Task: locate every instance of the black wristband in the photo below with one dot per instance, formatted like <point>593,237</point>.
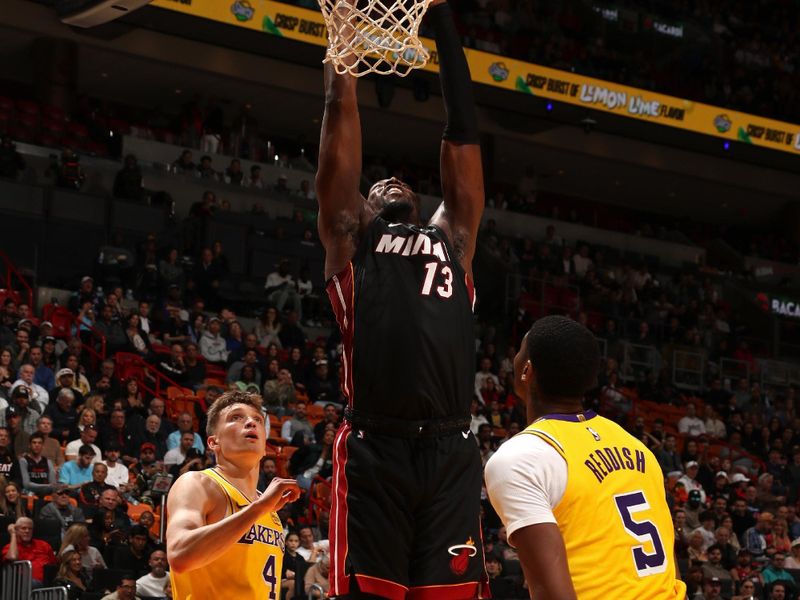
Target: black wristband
<point>459,102</point>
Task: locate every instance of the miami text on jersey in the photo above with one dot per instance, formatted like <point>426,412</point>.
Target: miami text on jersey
<point>411,245</point>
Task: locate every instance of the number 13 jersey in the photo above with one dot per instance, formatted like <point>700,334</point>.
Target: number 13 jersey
<point>605,491</point>
<point>404,307</point>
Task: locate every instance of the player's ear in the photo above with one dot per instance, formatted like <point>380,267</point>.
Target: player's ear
<point>212,443</point>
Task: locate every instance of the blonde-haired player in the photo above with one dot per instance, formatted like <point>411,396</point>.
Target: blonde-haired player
<point>224,540</point>
<point>582,500</point>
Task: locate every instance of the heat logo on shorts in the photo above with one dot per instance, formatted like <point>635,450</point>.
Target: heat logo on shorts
<point>461,555</point>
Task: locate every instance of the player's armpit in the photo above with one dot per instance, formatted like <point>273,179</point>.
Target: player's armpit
<point>544,561</point>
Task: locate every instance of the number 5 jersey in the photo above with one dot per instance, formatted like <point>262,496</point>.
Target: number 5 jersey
<point>605,491</point>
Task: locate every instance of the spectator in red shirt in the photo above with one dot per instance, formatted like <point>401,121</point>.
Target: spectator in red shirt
<point>23,546</point>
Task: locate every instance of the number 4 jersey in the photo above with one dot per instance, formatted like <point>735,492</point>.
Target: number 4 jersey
<point>251,568</point>
<point>404,306</point>
<point>605,491</point>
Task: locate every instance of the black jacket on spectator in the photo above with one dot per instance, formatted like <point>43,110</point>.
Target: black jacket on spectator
<point>64,422</point>
<point>123,437</point>
<point>128,183</point>
<point>159,440</point>
<point>54,395</point>
<point>125,559</point>
<point>9,466</point>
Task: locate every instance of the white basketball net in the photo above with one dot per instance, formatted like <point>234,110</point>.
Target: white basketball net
<point>375,36</point>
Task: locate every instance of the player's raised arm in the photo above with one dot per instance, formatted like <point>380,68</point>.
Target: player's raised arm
<point>461,168</point>
<point>192,542</point>
<point>339,171</point>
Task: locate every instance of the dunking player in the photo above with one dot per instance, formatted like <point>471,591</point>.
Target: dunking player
<point>224,540</point>
<point>582,500</point>
<point>407,472</point>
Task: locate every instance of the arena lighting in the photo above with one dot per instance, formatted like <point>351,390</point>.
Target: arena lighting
<point>90,13</point>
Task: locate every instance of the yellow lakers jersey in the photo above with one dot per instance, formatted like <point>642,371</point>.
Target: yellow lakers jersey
<point>613,516</point>
<point>251,568</point>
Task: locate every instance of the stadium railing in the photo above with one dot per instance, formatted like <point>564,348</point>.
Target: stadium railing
<point>17,581</point>
<point>638,359</point>
<point>51,593</point>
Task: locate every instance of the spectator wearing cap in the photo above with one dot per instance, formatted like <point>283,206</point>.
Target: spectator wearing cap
<point>85,293</point>
<point>755,538</point>
<point>185,425</point>
<point>65,379</point>
<point>776,570</point>
<point>38,395</point>
<point>61,509</point>
<point>693,508</point>
<point>691,424</point>
<point>23,546</point>
<point>298,425</point>
<point>63,414</point>
<point>117,472</point>
<point>87,438</point>
<point>321,387</point>
<point>51,448</point>
<point>712,588</point>
<point>20,399</point>
<point>38,472</point>
<point>689,480</point>
<point>720,490</point>
<point>793,560</point>
<point>213,346</point>
<point>19,439</point>
<point>74,473</point>
<point>134,556</point>
<point>43,375</point>
<point>50,352</point>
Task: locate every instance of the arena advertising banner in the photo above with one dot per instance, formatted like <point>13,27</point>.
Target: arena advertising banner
<point>782,307</point>
<point>307,25</point>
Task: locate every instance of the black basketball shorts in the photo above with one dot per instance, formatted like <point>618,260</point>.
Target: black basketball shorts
<point>405,516</point>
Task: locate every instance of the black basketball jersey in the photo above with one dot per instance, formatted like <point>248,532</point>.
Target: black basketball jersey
<point>404,306</point>
<point>38,472</point>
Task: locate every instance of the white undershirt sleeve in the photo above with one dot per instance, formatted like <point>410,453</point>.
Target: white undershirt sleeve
<point>525,480</point>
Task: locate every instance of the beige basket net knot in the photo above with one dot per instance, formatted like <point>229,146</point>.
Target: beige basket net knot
<point>375,36</point>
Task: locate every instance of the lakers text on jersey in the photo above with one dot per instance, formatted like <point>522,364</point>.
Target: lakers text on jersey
<point>251,568</point>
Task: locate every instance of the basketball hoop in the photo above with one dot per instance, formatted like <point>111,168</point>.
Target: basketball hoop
<point>375,36</point>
